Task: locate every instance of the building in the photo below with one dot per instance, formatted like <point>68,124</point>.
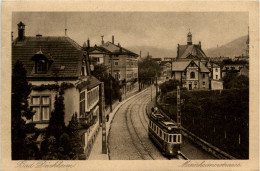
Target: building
<point>59,63</point>
<point>218,59</point>
<point>122,64</point>
<point>96,53</point>
<point>166,71</point>
<point>190,51</point>
<point>233,67</point>
<point>191,66</point>
<point>192,74</point>
<point>239,68</point>
<point>244,71</point>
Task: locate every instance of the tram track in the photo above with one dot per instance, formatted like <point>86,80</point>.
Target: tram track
<point>145,127</point>
<point>145,153</point>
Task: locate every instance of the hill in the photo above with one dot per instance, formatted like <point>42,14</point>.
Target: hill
<point>234,48</point>
<point>154,51</point>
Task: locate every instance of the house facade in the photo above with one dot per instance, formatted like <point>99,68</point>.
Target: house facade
<point>190,66</point>
<point>54,64</point>
<point>166,71</point>
<point>191,74</point>
<point>121,63</point>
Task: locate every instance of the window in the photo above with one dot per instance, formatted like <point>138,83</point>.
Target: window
<point>116,63</point>
<point>216,76</point>
<point>174,138</point>
<point>170,138</point>
<point>92,97</point>
<point>41,106</point>
<point>203,75</point>
<point>203,84</point>
<point>117,76</point>
<point>216,69</point>
<point>83,71</point>
<point>166,137</point>
<point>192,75</point>
<point>82,103</point>
<point>40,66</point>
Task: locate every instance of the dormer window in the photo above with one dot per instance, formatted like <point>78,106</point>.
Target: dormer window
<point>42,62</point>
<point>41,66</point>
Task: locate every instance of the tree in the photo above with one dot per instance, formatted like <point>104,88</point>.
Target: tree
<point>233,80</point>
<point>169,86</point>
<point>22,147</point>
<point>100,72</point>
<point>147,68</point>
<point>57,124</point>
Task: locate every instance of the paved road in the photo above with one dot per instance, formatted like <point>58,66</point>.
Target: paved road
<point>128,138</point>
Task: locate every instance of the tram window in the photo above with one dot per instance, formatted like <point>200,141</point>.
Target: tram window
<point>179,138</point>
<point>174,138</point>
<point>166,137</point>
<point>150,123</point>
<point>170,138</point>
<point>160,133</point>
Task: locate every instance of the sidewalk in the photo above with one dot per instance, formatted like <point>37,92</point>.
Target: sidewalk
<point>96,152</point>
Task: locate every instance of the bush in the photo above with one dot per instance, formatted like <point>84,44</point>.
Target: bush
<point>232,80</point>
<point>169,86</point>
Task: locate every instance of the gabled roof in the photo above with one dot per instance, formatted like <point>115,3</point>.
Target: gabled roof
<point>215,66</point>
<point>180,65</point>
<point>202,67</point>
<point>116,49</point>
<point>195,50</point>
<point>183,64</point>
<point>63,50</point>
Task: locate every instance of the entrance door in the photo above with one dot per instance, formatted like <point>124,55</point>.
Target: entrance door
<point>190,86</point>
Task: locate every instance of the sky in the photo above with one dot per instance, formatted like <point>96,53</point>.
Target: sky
<point>156,29</point>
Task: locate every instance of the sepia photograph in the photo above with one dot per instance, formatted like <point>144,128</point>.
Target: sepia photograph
<point>171,86</point>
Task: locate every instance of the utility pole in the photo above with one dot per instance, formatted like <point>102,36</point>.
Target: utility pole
<point>104,136</point>
<point>156,96</point>
<point>178,106</point>
<point>151,91</point>
<point>111,109</point>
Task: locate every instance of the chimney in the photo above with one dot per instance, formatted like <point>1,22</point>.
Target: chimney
<point>113,39</point>
<point>102,41</point>
<point>12,35</point>
<point>88,43</point>
<point>21,29</point>
<point>200,44</point>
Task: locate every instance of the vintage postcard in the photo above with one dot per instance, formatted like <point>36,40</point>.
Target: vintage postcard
<point>106,85</point>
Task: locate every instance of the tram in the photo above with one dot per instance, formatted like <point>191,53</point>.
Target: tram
<point>165,134</point>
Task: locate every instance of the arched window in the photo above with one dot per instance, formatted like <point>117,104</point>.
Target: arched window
<point>192,75</point>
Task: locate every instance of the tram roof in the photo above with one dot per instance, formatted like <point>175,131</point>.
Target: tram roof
<point>164,122</point>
